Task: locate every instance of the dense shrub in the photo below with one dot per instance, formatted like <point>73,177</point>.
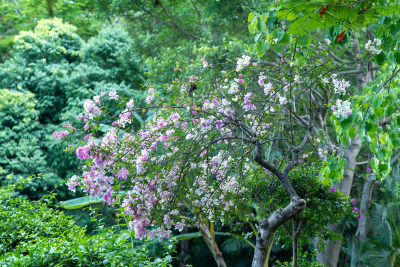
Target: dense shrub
<point>54,70</point>
<point>36,234</point>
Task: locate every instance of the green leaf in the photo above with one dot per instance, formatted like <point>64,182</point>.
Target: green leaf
<point>262,25</point>
<point>188,236</point>
<point>346,124</point>
<point>259,46</point>
<point>265,46</point>
<point>278,34</point>
<point>379,112</point>
<point>384,138</point>
<point>252,48</point>
<point>250,17</point>
<point>374,146</point>
<point>374,163</point>
<point>257,37</point>
<point>80,202</point>
<point>383,167</point>
<point>397,57</point>
<point>352,132</point>
<point>380,59</point>
<point>389,111</point>
<point>345,140</point>
<point>304,40</point>
<point>137,116</point>
<point>251,29</point>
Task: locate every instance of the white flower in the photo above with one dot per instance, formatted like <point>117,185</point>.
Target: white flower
<point>234,88</point>
<point>340,86</point>
<point>130,104</point>
<point>282,100</point>
<point>371,47</point>
<point>268,88</point>
<point>342,108</point>
<point>113,95</point>
<point>327,41</point>
<point>243,62</point>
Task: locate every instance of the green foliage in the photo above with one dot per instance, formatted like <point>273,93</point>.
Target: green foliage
<point>36,234</point>
<point>305,260</point>
<point>112,51</point>
<point>20,135</point>
<point>311,15</point>
<point>61,70</point>
<point>324,205</point>
<point>41,59</point>
<point>375,120</point>
<point>332,170</point>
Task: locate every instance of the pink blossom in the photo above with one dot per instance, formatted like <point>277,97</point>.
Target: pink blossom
<point>122,174</point>
<point>113,95</point>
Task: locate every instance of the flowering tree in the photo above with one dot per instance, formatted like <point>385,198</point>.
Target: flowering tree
<point>351,27</point>
<point>195,161</point>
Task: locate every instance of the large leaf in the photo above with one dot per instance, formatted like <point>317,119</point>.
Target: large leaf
<point>80,202</point>
<point>188,236</point>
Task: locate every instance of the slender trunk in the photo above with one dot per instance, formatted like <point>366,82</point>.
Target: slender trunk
<point>295,245</point>
<point>330,256</point>
<point>268,226</point>
<point>295,241</point>
<point>361,235</point>
<point>184,244</point>
<point>211,243</point>
<point>50,9</point>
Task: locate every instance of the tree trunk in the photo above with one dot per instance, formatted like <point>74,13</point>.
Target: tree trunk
<point>268,226</point>
<point>295,244</point>
<point>50,9</point>
<point>184,244</point>
<point>330,255</point>
<point>295,241</point>
<point>211,243</point>
<point>361,235</point>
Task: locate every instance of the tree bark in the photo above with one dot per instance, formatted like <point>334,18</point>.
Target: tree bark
<point>295,245</point>
<point>268,226</point>
<point>211,243</point>
<point>330,255</point>
<point>50,9</point>
<point>295,241</point>
<point>184,244</point>
<point>361,235</point>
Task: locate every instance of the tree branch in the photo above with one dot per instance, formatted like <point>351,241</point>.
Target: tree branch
<point>281,176</point>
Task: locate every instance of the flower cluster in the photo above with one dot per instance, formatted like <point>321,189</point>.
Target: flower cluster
<point>243,62</point>
<point>151,96</point>
<point>342,108</point>
<point>91,109</point>
<point>355,209</point>
<point>339,87</point>
<point>372,46</point>
<point>205,63</point>
<point>59,135</point>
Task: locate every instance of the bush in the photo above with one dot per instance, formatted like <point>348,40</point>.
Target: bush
<point>36,234</point>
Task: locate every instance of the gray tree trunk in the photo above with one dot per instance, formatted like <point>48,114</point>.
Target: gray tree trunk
<point>211,243</point>
<point>330,256</point>
<point>361,235</point>
<point>268,226</point>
